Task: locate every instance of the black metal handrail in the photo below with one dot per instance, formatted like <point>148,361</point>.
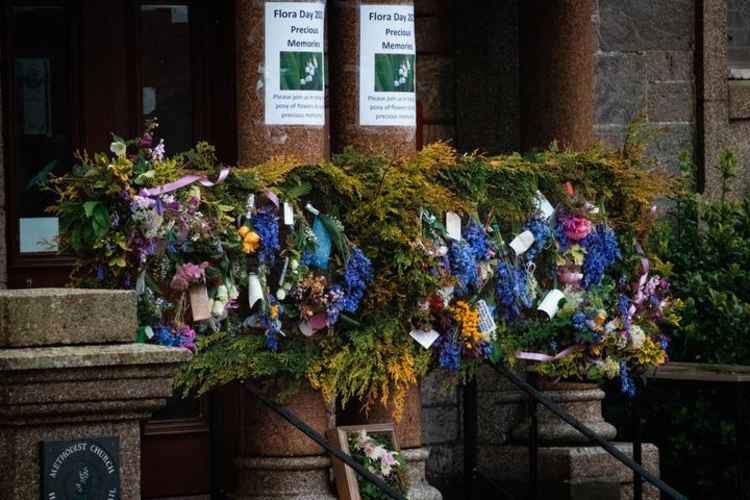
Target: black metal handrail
<point>537,397</point>
<point>311,433</point>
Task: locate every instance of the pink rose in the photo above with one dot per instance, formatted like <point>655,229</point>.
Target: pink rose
<point>576,228</point>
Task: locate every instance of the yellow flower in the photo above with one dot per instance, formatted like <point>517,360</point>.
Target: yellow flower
<point>250,240</point>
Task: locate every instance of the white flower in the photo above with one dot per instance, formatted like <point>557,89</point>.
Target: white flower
<point>295,264</point>
<point>385,469</point>
<point>280,294</point>
<point>396,83</point>
<point>222,293</point>
<point>217,308</point>
<point>637,337</point>
<point>302,81</point>
<point>118,148</point>
<point>309,78</point>
<point>159,151</point>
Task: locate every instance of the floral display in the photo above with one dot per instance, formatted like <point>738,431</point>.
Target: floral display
<point>359,275</point>
<point>375,453</point>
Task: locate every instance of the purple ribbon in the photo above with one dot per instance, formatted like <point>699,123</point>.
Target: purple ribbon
<point>186,181</point>
<point>546,358</point>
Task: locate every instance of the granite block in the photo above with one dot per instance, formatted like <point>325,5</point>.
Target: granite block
<point>58,316</point>
<point>638,25</point>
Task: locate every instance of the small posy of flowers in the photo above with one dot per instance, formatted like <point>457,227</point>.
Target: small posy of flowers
<point>375,453</point>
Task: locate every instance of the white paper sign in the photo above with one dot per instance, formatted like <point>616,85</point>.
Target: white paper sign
<point>543,206</point>
<point>522,242</point>
<point>288,214</point>
<point>453,225</point>
<point>294,77</point>
<point>254,289</point>
<point>423,338</point>
<point>551,303</point>
<point>387,60</point>
<point>486,321</point>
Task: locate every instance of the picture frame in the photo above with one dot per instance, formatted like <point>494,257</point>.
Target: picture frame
<point>347,483</point>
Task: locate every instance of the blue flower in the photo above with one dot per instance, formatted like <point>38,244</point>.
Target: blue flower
<point>542,233</point>
<point>562,239</point>
<point>477,239</point>
<point>623,306</point>
<point>100,272</point>
<point>627,385</point>
<point>266,224</point>
<point>602,250</point>
<point>165,337</point>
<point>450,352</point>
<point>512,290</point>
<point>357,276</point>
<point>272,340</point>
<point>579,321</point>
<point>463,266</point>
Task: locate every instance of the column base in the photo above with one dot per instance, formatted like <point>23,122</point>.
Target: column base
<point>420,489</point>
<point>282,478</point>
<point>570,472</point>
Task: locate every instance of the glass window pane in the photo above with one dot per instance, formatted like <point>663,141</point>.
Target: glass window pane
<point>165,72</point>
<point>42,120</point>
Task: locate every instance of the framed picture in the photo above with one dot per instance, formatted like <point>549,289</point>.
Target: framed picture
<point>375,446</point>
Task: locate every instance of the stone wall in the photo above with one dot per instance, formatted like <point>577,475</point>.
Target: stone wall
<point>738,31</point>
<point>442,431</point>
<point>644,65</point>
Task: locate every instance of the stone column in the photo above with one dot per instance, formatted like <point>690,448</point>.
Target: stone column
<point>408,434</point>
<point>556,73</point>
<point>345,127</point>
<point>276,459</point>
<point>256,141</point>
<point>73,388</point>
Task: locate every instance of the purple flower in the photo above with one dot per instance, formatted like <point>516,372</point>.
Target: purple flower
<point>477,239</point>
<point>450,352</point>
<point>512,291</point>
<point>542,233</point>
<point>627,385</point>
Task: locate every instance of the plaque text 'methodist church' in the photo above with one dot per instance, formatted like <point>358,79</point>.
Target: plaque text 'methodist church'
<point>82,469</point>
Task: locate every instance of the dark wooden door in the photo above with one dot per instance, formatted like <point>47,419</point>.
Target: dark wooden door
<point>75,71</point>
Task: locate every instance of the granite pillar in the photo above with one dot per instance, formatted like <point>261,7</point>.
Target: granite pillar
<point>345,90</point>
<point>277,461</point>
<point>256,141</point>
<point>98,390</point>
<point>408,433</point>
<point>556,65</point>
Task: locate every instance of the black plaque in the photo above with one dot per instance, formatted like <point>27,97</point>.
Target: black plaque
<point>82,469</point>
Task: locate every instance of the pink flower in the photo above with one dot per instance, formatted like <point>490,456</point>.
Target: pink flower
<point>576,228</point>
<point>188,273</point>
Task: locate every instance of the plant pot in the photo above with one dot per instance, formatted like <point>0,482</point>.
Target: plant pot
<point>581,400</point>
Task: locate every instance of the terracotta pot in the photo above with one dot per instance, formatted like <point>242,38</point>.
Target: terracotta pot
<point>583,401</point>
<point>265,434</point>
<point>408,429</point>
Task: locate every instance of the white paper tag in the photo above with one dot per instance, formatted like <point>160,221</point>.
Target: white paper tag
<point>551,303</point>
<point>254,289</point>
<point>592,209</point>
<point>543,206</point>
<point>306,328</point>
<point>312,209</point>
<point>522,242</point>
<point>453,225</point>
<point>486,321</point>
<point>288,214</point>
<point>423,338</point>
<point>199,303</point>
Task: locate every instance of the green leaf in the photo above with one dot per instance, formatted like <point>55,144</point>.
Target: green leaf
<point>100,221</point>
<point>89,207</point>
